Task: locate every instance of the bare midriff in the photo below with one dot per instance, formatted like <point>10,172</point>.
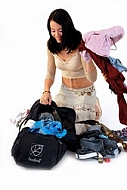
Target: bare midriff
<point>76,82</point>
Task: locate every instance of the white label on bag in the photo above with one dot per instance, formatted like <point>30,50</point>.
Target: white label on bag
<point>36,151</point>
<point>34,160</point>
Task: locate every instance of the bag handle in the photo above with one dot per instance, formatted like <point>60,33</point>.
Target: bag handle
<point>23,122</point>
<point>56,115</point>
<point>107,131</point>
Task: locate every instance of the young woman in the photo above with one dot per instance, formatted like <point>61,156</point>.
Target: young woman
<point>78,76</point>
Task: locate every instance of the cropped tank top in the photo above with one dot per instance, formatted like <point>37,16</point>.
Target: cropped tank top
<point>73,67</point>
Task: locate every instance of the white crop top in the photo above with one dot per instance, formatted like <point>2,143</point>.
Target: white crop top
<point>71,68</point>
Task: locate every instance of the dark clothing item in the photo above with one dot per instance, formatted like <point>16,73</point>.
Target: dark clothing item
<point>121,133</point>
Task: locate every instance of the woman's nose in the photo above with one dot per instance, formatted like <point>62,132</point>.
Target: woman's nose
<point>57,34</point>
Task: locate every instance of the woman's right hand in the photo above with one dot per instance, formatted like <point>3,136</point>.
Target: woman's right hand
<point>46,98</point>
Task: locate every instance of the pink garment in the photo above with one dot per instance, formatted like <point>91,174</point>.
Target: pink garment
<point>100,42</point>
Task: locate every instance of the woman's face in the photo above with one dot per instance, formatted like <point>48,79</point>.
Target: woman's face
<point>56,31</point>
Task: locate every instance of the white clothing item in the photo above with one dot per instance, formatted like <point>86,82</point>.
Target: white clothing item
<point>83,101</point>
<point>19,117</point>
<point>29,123</point>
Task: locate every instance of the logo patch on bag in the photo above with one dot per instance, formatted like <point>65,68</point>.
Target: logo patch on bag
<point>36,151</point>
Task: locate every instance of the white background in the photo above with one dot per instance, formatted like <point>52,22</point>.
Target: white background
<point>23,38</point>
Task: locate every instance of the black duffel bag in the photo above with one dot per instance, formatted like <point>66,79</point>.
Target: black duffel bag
<point>32,149</point>
<point>65,115</point>
<point>37,150</point>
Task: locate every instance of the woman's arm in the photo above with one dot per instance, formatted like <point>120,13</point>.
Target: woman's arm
<point>90,70</point>
<point>46,97</point>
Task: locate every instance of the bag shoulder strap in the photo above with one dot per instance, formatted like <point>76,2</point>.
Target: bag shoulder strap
<point>112,136</point>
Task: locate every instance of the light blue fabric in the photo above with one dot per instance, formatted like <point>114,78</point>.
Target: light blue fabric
<point>49,127</point>
<point>103,136</point>
<point>117,64</point>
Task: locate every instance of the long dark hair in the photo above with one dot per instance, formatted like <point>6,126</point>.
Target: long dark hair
<point>71,38</point>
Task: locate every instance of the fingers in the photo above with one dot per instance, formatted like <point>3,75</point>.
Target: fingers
<point>42,101</point>
<point>50,101</point>
<point>45,100</point>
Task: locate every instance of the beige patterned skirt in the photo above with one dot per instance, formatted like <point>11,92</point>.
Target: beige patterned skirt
<point>83,101</point>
